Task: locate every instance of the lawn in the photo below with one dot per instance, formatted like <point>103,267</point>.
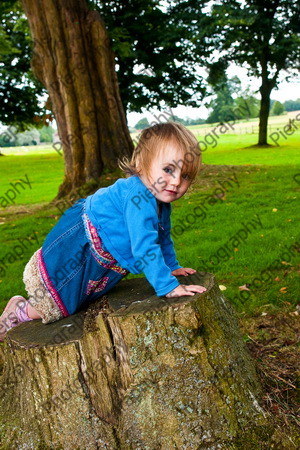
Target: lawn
<point>238,221</point>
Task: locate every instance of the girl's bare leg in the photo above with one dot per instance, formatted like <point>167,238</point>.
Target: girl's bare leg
<point>32,312</point>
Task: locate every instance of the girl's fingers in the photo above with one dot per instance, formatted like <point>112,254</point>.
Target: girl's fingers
<point>195,288</point>
<point>190,270</point>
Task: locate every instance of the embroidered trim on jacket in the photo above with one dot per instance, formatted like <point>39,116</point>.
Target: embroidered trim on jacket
<point>96,286</point>
<point>104,258</point>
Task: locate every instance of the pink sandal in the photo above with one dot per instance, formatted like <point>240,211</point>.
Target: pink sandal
<point>13,314</point>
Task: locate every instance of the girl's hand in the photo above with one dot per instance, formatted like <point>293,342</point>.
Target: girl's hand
<point>182,290</point>
<point>183,271</point>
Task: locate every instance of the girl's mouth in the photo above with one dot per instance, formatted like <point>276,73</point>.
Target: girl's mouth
<point>171,192</point>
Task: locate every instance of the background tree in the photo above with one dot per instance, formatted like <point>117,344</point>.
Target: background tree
<point>223,104</point>
<point>292,105</point>
<point>247,106</point>
<point>46,134</point>
<point>277,109</point>
<point>141,124</point>
<point>29,137</point>
<point>264,36</point>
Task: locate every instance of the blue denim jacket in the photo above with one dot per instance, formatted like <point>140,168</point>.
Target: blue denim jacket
<point>73,263</point>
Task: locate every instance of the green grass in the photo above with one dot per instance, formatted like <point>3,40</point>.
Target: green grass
<point>44,172</point>
<point>267,190</point>
<point>232,149</point>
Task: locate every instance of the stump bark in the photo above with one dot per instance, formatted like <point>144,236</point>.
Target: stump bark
<point>134,371</point>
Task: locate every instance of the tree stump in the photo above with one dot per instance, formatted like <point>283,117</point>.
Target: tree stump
<point>134,371</point>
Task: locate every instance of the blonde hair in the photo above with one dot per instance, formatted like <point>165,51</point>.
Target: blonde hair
<point>154,139</point>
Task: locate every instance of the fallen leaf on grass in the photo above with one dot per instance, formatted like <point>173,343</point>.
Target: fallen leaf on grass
<point>222,288</point>
<point>283,289</point>
<point>277,279</point>
<point>244,288</point>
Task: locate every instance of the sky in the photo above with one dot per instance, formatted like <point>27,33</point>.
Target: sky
<point>286,91</point>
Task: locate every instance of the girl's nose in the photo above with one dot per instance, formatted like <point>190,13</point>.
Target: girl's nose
<point>176,178</point>
<point>175,181</point>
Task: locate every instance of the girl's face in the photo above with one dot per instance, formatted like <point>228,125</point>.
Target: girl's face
<point>167,181</point>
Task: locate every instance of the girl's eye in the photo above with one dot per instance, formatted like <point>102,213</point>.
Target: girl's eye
<point>168,169</point>
<point>186,176</point>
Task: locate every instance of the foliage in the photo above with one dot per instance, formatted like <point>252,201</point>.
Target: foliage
<point>247,106</point>
<point>224,106</point>
<point>29,137</point>
<point>277,109</point>
<point>8,138</point>
<point>32,136</point>
<point>141,124</point>
<point>292,105</point>
<point>188,121</point>
<point>262,34</point>
<point>155,50</point>
<point>46,133</point>
<point>19,89</point>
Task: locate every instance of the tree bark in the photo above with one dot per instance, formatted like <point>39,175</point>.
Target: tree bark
<point>134,371</point>
<point>265,92</point>
<point>73,59</point>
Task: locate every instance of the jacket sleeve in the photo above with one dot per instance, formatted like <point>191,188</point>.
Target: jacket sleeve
<point>167,244</point>
<point>142,224</point>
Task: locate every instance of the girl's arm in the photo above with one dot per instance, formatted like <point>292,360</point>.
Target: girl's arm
<point>145,245</point>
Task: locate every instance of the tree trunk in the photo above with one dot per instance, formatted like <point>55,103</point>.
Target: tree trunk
<point>141,373</point>
<point>73,59</point>
<point>265,91</point>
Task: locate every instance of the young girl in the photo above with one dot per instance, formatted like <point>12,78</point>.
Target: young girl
<point>121,228</point>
